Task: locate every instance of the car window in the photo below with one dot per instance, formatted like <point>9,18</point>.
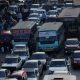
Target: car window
<point>58,64</point>
<point>30,65</point>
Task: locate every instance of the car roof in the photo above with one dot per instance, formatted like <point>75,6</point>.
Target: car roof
<point>58,60</point>
<point>50,26</point>
<point>77,51</point>
<point>35,4</point>
<point>20,72</point>
<point>39,53</point>
<point>3,69</point>
<point>12,56</point>
<point>72,39</point>
<point>31,61</point>
<point>33,18</point>
<point>24,25</point>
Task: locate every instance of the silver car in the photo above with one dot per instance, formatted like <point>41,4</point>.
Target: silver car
<point>12,62</point>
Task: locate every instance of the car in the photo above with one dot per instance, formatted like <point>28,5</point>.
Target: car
<point>22,54</point>
<point>20,75</point>
<point>35,17</point>
<point>33,66</point>
<point>4,73</point>
<point>13,8</point>
<point>32,76</point>
<point>42,13</point>
<point>60,77</point>
<point>12,62</point>
<point>40,56</point>
<point>75,59</point>
<point>52,13</point>
<point>34,7</point>
<point>22,51</point>
<point>71,44</point>
<point>58,66</point>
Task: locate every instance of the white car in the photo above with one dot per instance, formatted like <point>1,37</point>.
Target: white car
<point>12,62</point>
<point>13,8</point>
<point>58,66</point>
<point>4,73</point>
<point>34,7</point>
<point>35,19</point>
<point>60,77</point>
<point>33,66</point>
<point>21,50</point>
<point>42,13</point>
<point>52,14</point>
<point>40,56</point>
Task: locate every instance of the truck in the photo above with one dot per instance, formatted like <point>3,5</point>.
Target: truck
<point>24,32</point>
<point>50,36</point>
<point>59,77</point>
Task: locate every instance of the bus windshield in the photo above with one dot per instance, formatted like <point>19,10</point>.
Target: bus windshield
<point>47,37</point>
<point>50,40</point>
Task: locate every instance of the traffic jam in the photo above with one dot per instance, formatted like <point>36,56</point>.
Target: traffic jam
<point>39,40</point>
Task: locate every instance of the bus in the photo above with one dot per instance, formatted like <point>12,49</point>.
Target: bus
<point>24,32</point>
<point>71,20</point>
<point>50,36</point>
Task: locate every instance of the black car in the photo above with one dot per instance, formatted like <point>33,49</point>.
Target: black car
<point>71,44</point>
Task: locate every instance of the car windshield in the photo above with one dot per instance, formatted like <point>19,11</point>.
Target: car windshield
<point>20,53</point>
<point>40,12</point>
<point>57,64</point>
<point>30,65</point>
<point>34,16</point>
<point>76,55</point>
<point>31,75</point>
<point>52,13</point>
<point>38,56</point>
<point>2,74</point>
<point>19,47</point>
<point>11,60</point>
<point>35,6</point>
<point>72,42</point>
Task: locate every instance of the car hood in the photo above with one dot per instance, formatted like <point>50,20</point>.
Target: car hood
<point>58,69</point>
<point>42,60</point>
